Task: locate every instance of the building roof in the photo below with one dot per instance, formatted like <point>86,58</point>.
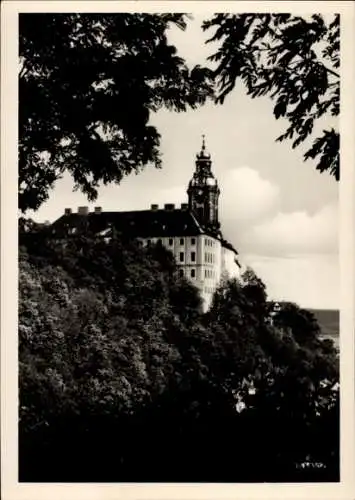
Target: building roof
<point>143,223</point>
<point>154,223</point>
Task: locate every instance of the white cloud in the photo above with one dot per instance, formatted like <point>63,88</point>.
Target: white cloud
<point>251,218</point>
<point>247,197</point>
<point>296,233</point>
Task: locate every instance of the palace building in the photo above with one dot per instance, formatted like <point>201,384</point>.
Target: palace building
<point>191,232</point>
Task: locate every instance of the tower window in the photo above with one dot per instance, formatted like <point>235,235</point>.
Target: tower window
<point>193,241</point>
<point>181,256</point>
<point>193,273</point>
<point>193,256</point>
<point>171,241</point>
<point>181,273</point>
<point>148,243</point>
<point>159,242</point>
<point>181,241</point>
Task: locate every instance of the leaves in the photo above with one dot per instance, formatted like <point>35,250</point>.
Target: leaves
<point>116,356</point>
<point>293,60</point>
<point>87,85</point>
<point>327,147</point>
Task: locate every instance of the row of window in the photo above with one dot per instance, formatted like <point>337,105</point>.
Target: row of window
<point>209,243</point>
<point>182,257</point>
<point>192,273</point>
<point>210,257</point>
<point>171,241</point>
<point>210,273</point>
<point>208,289</point>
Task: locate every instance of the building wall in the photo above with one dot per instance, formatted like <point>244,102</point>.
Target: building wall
<point>229,265</point>
<point>201,259</point>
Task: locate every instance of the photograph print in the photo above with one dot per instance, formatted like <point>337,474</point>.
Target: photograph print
<point>178,314</point>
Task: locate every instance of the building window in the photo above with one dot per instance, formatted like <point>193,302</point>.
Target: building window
<point>160,242</point>
<point>193,273</point>
<point>171,241</point>
<point>181,256</point>
<point>148,243</point>
<point>181,241</point>
<point>181,273</point>
<point>193,256</point>
<point>193,241</point>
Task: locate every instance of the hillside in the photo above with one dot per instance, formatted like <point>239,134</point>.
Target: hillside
<point>116,359</point>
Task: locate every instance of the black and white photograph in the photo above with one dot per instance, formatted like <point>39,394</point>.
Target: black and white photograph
<point>178,213</point>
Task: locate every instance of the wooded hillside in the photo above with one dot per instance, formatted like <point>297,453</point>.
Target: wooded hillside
<point>122,378</point>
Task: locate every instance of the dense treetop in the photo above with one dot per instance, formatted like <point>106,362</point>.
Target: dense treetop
<point>87,86</point>
<point>123,378</point>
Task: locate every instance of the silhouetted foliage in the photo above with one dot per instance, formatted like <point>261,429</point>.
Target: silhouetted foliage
<point>292,59</point>
<point>88,84</point>
<point>122,378</point>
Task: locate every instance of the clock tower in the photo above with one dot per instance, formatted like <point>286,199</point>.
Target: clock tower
<point>203,191</point>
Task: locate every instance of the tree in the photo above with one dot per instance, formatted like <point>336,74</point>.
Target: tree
<point>286,378</point>
<point>99,330</point>
<point>121,375</point>
<point>88,84</point>
<point>293,60</point>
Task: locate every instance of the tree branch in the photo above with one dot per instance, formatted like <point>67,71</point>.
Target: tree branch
<point>331,71</point>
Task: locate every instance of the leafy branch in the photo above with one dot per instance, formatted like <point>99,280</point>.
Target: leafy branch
<point>294,62</point>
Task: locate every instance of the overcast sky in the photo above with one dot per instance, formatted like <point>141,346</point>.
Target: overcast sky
<point>279,212</point>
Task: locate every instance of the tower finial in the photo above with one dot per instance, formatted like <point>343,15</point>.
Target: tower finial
<point>203,143</point>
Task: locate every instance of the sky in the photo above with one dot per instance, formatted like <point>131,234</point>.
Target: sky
<point>278,211</point>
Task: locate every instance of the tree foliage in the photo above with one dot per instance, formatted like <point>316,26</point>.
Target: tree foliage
<point>293,60</point>
<point>122,378</point>
<point>88,84</point>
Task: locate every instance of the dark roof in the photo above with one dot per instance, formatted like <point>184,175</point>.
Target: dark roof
<point>228,245</point>
<point>142,223</point>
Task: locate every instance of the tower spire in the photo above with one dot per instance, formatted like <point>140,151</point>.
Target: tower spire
<point>203,154</point>
<point>203,191</point>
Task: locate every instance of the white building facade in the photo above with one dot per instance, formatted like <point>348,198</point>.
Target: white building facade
<point>203,259</point>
